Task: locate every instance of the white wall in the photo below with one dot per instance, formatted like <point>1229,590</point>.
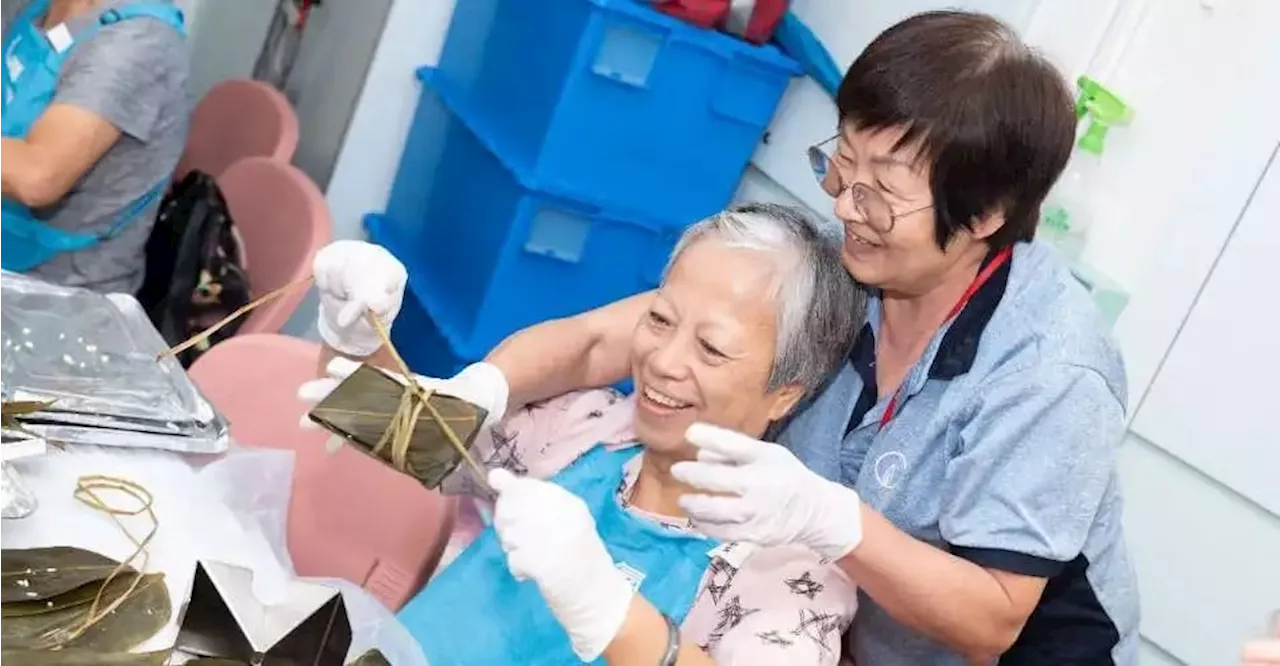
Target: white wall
<point>366,166</point>
<point>1203,521</point>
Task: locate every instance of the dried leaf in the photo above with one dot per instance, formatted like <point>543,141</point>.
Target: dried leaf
<point>11,408</point>
<point>362,407</point>
<point>32,574</point>
<point>139,617</point>
<point>75,657</point>
<point>371,658</point>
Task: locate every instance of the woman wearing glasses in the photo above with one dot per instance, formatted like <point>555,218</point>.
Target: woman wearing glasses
<point>960,466</point>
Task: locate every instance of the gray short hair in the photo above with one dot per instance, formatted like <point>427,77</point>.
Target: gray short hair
<point>820,308</point>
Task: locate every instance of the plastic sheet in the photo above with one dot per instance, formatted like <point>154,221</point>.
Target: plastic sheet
<point>16,501</point>
<point>96,356</point>
<point>232,510</point>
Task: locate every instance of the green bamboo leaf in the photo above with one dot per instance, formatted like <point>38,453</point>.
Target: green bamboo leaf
<point>32,574</point>
<point>139,617</point>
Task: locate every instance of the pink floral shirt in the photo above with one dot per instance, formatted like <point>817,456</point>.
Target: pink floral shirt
<point>755,605</point>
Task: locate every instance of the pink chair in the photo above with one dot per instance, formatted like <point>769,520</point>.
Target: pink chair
<point>236,119</point>
<point>350,516</point>
<point>283,220</point>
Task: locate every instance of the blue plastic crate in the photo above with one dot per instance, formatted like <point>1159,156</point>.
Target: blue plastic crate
<point>425,349</point>
<point>612,100</point>
<point>420,342</point>
<point>488,255</point>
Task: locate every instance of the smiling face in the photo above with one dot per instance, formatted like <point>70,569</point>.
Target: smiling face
<point>705,349</point>
<point>883,198</point>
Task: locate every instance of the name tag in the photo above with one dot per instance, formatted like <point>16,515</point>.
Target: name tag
<point>60,38</point>
<point>734,554</point>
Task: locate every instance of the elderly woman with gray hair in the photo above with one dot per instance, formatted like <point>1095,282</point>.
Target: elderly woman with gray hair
<point>753,313</point>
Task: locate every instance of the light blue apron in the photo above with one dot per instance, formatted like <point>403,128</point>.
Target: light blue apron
<point>474,613</point>
<point>32,63</point>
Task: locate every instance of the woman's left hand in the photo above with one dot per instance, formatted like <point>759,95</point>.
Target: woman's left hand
<point>761,493</point>
<point>550,537</point>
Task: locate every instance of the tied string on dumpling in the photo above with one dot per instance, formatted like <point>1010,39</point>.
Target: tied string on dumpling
<point>414,400</point>
<point>87,493</point>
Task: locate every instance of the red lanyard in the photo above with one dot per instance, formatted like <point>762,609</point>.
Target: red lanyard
<point>1001,258</point>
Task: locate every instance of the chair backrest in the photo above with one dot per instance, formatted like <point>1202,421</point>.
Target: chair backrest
<point>350,516</point>
<point>236,119</point>
<point>283,220</point>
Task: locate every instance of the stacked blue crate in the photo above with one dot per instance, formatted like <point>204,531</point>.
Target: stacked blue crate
<point>557,152</point>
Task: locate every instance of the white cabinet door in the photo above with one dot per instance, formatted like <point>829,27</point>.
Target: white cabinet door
<point>1205,86</point>
<point>1215,402</point>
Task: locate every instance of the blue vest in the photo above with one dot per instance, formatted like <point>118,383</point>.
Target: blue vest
<point>32,64</point>
<point>475,613</point>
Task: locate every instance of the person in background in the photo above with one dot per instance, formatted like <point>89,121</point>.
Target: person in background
<point>95,120</point>
<point>1264,651</point>
<point>753,311</point>
<point>960,466</point>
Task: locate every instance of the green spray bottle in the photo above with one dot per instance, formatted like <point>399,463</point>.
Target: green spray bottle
<point>1068,212</point>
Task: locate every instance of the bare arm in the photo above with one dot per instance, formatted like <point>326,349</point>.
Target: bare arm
<point>978,612</point>
<point>557,356</point>
<point>642,641</point>
<point>561,355</point>
<point>62,146</point>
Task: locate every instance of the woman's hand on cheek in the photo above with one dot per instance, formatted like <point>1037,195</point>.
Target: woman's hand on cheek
<point>760,493</point>
<point>550,538</point>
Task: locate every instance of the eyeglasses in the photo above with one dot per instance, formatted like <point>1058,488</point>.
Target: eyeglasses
<point>871,205</point>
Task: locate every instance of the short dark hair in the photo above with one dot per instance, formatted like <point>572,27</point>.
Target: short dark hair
<point>994,119</point>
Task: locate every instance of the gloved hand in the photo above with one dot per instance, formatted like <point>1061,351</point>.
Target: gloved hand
<point>550,537</point>
<point>354,277</point>
<point>764,495</point>
<point>481,384</point>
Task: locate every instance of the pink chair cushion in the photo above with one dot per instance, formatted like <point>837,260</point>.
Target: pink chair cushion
<point>236,119</point>
<point>283,220</point>
<point>350,516</point>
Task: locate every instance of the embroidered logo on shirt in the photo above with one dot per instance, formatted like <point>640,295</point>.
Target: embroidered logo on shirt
<point>889,468</point>
<point>633,575</point>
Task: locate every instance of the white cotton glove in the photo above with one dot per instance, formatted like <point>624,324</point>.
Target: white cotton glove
<point>481,384</point>
<point>764,495</point>
<point>550,537</point>
<point>354,277</point>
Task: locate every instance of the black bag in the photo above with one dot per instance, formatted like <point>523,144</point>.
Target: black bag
<point>195,273</point>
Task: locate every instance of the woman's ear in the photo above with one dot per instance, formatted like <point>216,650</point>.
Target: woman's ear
<point>783,400</point>
<point>986,225</point>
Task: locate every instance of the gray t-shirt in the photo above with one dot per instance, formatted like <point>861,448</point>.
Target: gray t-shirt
<point>133,74</point>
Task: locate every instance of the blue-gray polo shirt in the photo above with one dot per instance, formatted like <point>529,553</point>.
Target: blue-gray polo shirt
<point>1002,451</point>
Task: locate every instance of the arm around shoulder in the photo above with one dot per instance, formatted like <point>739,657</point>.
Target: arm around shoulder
<point>1034,463</point>
<point>584,351</point>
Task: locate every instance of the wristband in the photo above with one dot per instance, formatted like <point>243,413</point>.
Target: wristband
<point>673,643</point>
